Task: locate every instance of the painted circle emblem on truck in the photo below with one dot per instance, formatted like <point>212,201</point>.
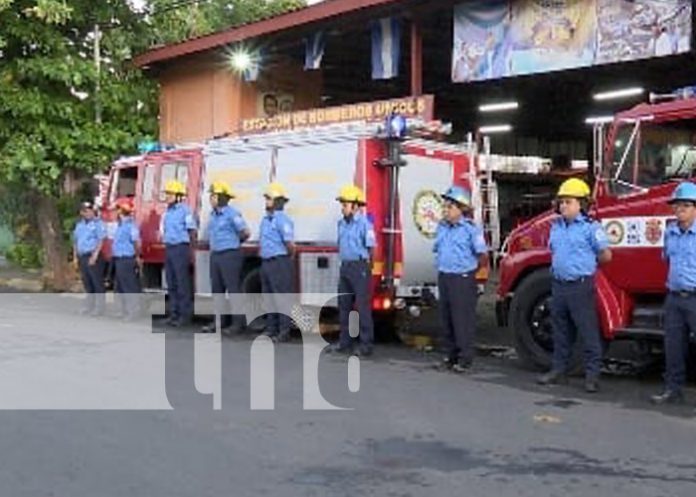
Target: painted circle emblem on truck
<point>615,232</point>
<point>427,212</point>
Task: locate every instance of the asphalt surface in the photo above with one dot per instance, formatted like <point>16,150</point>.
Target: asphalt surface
<point>92,407</point>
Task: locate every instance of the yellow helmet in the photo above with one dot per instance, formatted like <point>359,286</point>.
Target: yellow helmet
<point>175,187</point>
<point>351,193</point>
<point>274,191</point>
<point>574,187</point>
<point>221,188</point>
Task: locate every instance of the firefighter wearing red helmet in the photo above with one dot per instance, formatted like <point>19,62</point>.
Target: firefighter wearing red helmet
<point>126,258</point>
<point>578,244</point>
<point>460,251</point>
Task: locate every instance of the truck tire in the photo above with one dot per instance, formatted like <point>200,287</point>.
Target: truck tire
<point>251,283</point>
<point>530,319</point>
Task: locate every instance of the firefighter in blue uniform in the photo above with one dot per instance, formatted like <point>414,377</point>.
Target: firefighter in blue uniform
<point>356,241</point>
<point>126,258</point>
<point>276,247</point>
<point>680,305</point>
<point>577,245</point>
<point>88,238</point>
<point>227,230</point>
<point>178,233</point>
<point>460,251</point>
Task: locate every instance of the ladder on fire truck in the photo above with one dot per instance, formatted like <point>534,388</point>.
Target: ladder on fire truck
<point>490,211</point>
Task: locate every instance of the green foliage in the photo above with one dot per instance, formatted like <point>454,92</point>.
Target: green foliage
<point>204,17</point>
<point>25,255</point>
<point>48,96</point>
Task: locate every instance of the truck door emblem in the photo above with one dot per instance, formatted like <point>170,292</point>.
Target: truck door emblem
<point>615,232</point>
<point>653,230</point>
<point>427,212</point>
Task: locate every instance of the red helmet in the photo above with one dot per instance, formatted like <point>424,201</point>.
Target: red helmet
<point>125,204</point>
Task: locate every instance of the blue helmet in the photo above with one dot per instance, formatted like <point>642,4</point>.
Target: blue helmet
<point>457,194</point>
<point>685,192</point>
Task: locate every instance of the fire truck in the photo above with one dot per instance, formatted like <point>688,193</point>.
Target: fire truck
<point>639,159</point>
<point>402,172</point>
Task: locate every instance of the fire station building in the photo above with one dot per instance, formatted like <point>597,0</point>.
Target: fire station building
<point>532,76</point>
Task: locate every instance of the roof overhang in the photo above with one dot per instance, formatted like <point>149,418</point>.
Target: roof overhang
<point>301,17</point>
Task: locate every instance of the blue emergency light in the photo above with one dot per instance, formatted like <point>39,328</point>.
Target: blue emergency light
<point>396,126</point>
<point>149,147</point>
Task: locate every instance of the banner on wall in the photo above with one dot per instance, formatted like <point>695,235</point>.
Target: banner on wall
<point>502,38</point>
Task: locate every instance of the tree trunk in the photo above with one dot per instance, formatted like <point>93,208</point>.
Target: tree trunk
<point>56,268</point>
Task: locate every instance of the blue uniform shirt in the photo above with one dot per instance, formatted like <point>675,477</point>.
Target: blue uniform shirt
<point>458,246</point>
<point>277,229</point>
<point>575,246</point>
<point>355,238</point>
<point>88,234</point>
<point>126,236</point>
<point>224,229</point>
<point>177,221</point>
<point>680,251</point>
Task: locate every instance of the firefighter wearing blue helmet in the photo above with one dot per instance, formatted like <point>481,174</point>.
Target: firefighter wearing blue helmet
<point>460,251</point>
<point>680,304</point>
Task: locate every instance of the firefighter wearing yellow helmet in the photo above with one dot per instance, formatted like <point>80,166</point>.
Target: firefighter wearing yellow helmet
<point>578,244</point>
<point>178,233</point>
<point>356,242</point>
<point>227,230</point>
<point>276,247</point>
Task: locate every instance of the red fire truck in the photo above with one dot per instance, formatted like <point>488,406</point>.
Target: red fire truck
<point>649,150</point>
<point>402,180</point>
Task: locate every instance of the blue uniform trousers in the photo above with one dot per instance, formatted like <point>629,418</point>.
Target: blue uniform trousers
<point>277,277</point>
<point>225,273</point>
<point>178,271</point>
<point>458,294</point>
<point>573,311</point>
<point>93,282</point>
<point>354,291</point>
<point>680,326</point>
<point>128,285</point>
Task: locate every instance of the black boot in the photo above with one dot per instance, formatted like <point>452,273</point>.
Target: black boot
<point>553,377</point>
<point>668,397</point>
<point>591,384</point>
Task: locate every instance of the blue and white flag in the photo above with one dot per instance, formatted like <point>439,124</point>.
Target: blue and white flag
<point>251,73</point>
<point>386,48</point>
<point>314,51</point>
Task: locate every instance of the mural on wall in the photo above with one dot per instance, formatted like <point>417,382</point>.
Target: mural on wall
<point>272,103</point>
<point>501,38</point>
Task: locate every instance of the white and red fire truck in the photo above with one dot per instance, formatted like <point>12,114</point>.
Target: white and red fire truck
<point>402,180</point>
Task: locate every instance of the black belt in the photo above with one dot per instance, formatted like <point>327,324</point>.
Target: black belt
<point>119,257</point>
<point>354,261</point>
<point>225,251</point>
<point>276,257</point>
<point>173,245</point>
<point>572,282</point>
<point>684,293</point>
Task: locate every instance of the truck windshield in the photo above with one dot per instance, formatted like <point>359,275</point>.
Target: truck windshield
<point>665,151</point>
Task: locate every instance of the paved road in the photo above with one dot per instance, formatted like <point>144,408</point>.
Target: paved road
<point>412,431</point>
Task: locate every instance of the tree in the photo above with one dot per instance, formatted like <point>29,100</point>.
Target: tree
<point>49,102</point>
<point>64,115</point>
<point>176,20</point>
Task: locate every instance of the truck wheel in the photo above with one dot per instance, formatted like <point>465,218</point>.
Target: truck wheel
<point>251,283</point>
<point>530,317</point>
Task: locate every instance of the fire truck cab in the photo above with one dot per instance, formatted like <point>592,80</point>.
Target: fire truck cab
<point>639,160</point>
